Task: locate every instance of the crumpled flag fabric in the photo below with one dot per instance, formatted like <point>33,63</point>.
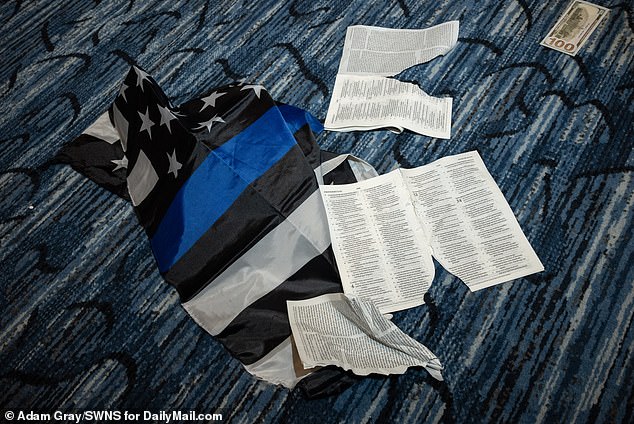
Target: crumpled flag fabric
<point>226,188</point>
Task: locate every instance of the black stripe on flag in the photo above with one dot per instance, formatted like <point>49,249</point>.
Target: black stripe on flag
<point>264,324</point>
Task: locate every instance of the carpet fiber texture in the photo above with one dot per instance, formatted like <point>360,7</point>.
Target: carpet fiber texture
<point>88,324</point>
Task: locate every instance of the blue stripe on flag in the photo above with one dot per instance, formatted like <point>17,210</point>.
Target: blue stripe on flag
<point>216,184</point>
<point>297,118</point>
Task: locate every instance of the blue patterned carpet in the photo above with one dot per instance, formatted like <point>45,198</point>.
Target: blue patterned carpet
<point>87,322</point>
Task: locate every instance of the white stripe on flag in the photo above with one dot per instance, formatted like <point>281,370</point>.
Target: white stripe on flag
<point>276,257</point>
<point>102,128</point>
<point>121,124</point>
<point>142,179</point>
<point>360,168</point>
<point>278,366</point>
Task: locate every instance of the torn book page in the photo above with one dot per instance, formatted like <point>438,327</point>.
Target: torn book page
<point>364,99</point>
<point>351,333</point>
<point>381,249</point>
<point>385,230</point>
<point>370,50</point>
<point>474,233</point>
<point>361,103</point>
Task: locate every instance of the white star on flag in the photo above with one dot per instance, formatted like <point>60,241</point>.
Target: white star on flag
<point>166,117</point>
<point>256,88</point>
<point>124,87</point>
<point>174,164</point>
<point>146,123</point>
<point>209,123</point>
<point>210,100</point>
<point>121,163</point>
<point>141,76</point>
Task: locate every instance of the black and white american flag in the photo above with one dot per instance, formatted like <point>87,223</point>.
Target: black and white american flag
<point>226,188</point>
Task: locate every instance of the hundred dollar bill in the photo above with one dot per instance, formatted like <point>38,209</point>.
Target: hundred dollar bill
<point>574,27</point>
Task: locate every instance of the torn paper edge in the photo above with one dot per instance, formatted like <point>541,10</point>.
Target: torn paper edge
<point>331,312</point>
<point>440,114</point>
